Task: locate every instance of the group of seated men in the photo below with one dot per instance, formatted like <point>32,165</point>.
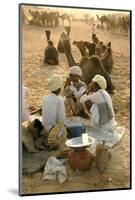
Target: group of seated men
<point>74,97</point>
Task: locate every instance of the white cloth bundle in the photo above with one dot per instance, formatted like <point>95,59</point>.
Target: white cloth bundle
<point>55,170</point>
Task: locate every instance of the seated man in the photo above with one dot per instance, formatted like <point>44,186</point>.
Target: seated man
<point>51,54</point>
<point>73,89</point>
<point>25,109</point>
<point>93,31</point>
<point>95,41</point>
<point>32,138</point>
<point>101,111</point>
<point>53,113</point>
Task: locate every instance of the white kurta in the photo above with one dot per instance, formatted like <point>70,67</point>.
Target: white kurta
<point>66,22</point>
<point>53,111</point>
<point>97,98</point>
<point>77,93</point>
<point>25,110</point>
<point>93,30</point>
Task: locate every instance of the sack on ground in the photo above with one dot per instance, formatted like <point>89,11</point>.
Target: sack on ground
<point>57,135</point>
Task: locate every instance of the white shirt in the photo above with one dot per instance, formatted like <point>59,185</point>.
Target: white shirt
<point>98,98</point>
<point>93,29</point>
<point>66,22</point>
<point>53,111</point>
<point>25,110</point>
<point>77,93</point>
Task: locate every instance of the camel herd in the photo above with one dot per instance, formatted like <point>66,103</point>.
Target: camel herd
<point>53,19</point>
<point>93,64</point>
<point>44,18</point>
<point>113,22</point>
<point>96,58</point>
<point>104,52</point>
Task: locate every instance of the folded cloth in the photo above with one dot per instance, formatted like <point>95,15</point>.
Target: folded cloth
<point>111,138</point>
<point>55,170</point>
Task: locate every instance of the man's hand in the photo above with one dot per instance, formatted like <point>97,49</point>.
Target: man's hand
<point>88,104</point>
<point>67,82</point>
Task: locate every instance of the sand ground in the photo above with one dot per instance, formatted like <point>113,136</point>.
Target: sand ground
<point>35,76</point>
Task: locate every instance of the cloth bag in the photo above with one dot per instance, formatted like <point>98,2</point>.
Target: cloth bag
<point>55,170</point>
<point>57,135</point>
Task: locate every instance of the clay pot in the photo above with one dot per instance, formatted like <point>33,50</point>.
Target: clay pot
<point>80,159</point>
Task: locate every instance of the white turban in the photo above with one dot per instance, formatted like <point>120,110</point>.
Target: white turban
<point>55,83</point>
<point>75,70</point>
<point>100,80</point>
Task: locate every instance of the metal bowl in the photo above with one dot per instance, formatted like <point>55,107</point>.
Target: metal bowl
<point>77,143</point>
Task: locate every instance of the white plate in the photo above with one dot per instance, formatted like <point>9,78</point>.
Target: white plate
<point>77,142</point>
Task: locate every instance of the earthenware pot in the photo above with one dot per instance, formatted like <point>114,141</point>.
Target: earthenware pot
<point>80,159</point>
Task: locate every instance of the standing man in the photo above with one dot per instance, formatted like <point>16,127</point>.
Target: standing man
<point>67,23</point>
<point>93,31</point>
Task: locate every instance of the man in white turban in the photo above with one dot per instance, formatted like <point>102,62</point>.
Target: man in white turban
<point>53,114</point>
<point>74,88</point>
<point>75,70</point>
<point>53,109</point>
<point>101,111</point>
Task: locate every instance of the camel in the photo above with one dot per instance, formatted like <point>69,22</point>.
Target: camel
<point>36,16</point>
<point>47,33</point>
<point>56,19</point>
<point>103,51</point>
<point>67,50</point>
<point>90,66</point>
<point>113,22</point>
<point>50,53</point>
<point>64,17</point>
<point>80,45</point>
<point>60,46</point>
<point>66,22</point>
<point>91,47</point>
<point>104,21</point>
<point>44,19</point>
<point>107,60</point>
<point>47,19</point>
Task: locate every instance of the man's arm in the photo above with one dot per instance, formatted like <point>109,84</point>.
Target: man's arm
<point>61,111</point>
<point>93,98</point>
<point>80,92</point>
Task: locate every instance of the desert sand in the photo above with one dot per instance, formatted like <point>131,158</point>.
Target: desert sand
<point>35,76</point>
